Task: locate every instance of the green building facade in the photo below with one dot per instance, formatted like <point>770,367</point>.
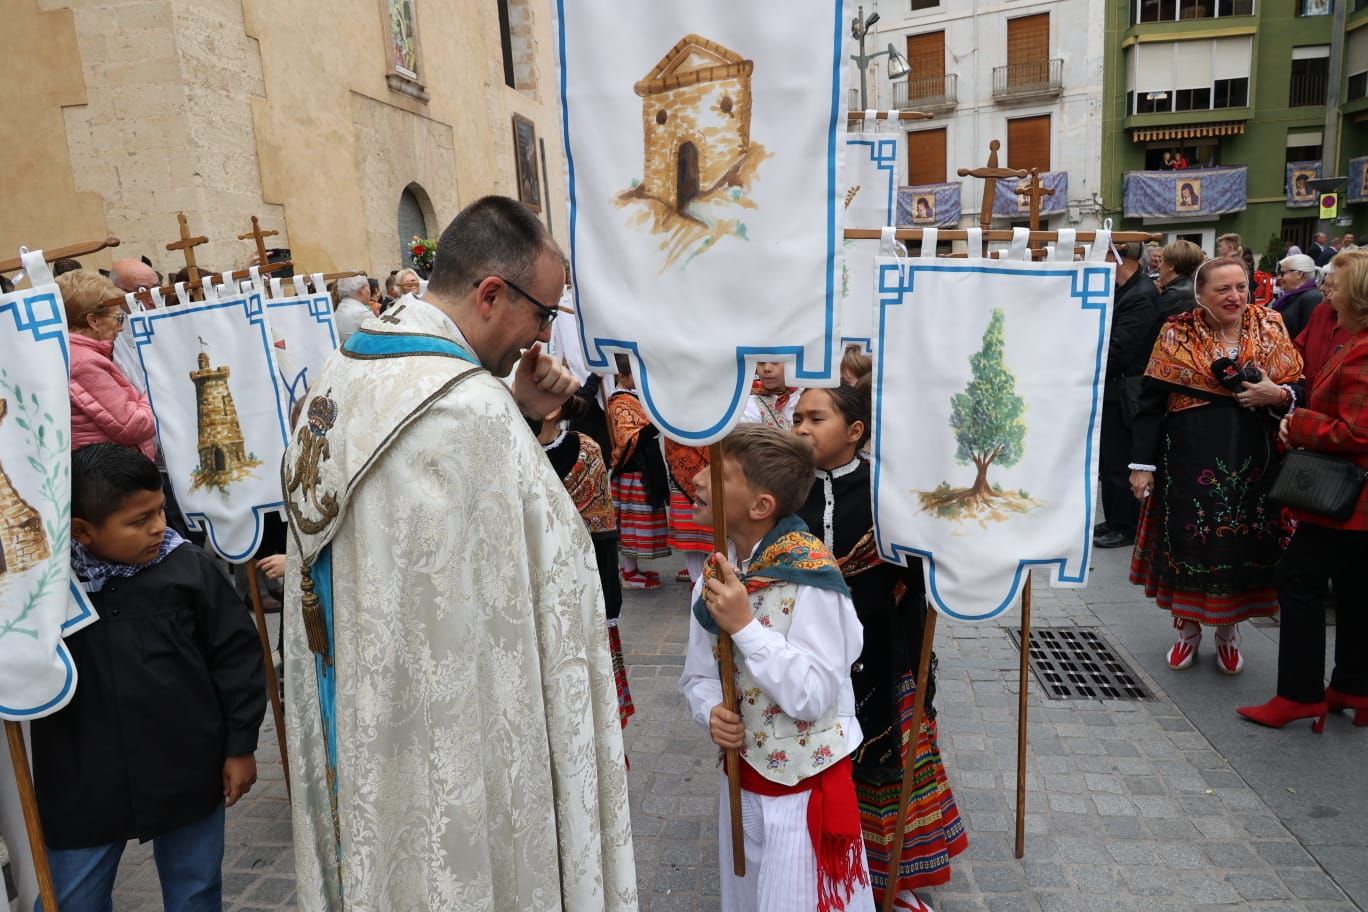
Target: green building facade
<point>1237,91</point>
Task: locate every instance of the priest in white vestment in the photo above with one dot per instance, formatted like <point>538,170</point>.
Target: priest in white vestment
<point>452,717</point>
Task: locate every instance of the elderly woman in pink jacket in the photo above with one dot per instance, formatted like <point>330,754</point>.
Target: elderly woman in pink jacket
<point>105,407</point>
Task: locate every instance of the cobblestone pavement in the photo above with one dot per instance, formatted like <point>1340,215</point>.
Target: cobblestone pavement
<point>1129,807</point>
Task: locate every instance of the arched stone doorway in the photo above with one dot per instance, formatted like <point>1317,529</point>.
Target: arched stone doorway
<point>415,220</point>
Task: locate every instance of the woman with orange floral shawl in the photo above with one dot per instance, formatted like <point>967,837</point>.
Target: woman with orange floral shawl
<point>1204,456</point>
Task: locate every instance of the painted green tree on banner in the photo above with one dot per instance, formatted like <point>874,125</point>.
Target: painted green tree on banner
<point>988,419</point>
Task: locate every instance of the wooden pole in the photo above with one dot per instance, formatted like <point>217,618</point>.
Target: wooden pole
<point>61,253</point>
<point>272,683</point>
<point>910,759</point>
<point>891,115</point>
<point>727,663</point>
<point>996,234</point>
<point>1021,718</point>
<point>33,824</point>
<point>167,291</point>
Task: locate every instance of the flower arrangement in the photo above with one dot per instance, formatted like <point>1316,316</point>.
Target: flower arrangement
<point>422,251</point>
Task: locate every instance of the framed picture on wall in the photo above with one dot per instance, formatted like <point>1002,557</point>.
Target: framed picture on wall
<point>525,155</point>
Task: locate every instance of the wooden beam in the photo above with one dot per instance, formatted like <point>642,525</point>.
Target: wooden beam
<point>61,253</point>
<point>891,115</point>
<point>996,234</point>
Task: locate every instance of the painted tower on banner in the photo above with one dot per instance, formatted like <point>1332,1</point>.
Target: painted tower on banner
<point>223,458</point>
<point>22,542</point>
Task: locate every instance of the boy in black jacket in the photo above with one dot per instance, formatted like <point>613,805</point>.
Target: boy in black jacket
<point>161,733</point>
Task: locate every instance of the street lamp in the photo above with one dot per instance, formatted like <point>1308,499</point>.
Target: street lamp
<point>897,63</point>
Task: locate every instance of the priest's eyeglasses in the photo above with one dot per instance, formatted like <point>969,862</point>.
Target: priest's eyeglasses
<point>548,314</point>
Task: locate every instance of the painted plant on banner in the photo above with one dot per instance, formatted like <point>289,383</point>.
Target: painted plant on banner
<point>39,603</point>
<point>986,421</point>
<point>215,388</point>
<point>703,160</point>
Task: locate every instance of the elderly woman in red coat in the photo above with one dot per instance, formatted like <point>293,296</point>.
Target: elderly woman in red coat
<point>105,406</point>
<point>1335,422</point>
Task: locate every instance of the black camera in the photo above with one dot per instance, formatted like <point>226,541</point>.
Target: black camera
<point>1232,376</point>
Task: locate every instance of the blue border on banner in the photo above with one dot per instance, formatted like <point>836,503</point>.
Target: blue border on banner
<point>596,357</point>
<point>320,308</point>
<point>1093,297</point>
<point>884,154</point>
<point>251,304</point>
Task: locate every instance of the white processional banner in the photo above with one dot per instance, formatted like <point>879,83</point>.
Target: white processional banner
<point>303,335</point>
<point>987,414</point>
<point>40,600</point>
<point>704,144</point>
<point>871,201</point>
<point>215,389</point>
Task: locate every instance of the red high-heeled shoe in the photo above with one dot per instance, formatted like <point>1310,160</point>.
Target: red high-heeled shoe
<point>1336,700</point>
<point>1279,711</point>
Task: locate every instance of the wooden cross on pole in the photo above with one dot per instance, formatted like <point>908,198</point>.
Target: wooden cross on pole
<point>259,236</point>
<point>187,245</point>
<point>990,176</point>
<point>1034,189</point>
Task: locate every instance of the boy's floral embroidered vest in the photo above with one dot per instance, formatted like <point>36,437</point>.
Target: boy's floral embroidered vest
<point>778,746</point>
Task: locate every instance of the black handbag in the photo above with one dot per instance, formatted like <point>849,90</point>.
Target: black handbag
<point>1325,485</point>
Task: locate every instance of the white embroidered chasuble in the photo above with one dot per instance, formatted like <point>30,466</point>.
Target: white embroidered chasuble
<point>479,759</point>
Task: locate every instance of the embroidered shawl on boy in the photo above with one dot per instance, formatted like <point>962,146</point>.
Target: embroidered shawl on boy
<point>1186,348</point>
<point>452,717</point>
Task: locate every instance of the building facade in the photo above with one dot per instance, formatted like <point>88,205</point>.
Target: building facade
<point>1028,74</point>
<point>346,125</point>
<point>1254,100</point>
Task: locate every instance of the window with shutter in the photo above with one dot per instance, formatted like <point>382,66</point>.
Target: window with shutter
<point>926,65</point>
<point>1028,143</point>
<point>926,157</point>
<point>1028,50</point>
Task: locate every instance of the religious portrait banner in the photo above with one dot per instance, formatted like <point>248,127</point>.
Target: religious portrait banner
<point>1008,202</point>
<point>40,601</point>
<point>873,161</point>
<point>1357,191</point>
<point>1191,192</point>
<point>216,391</point>
<point>704,151</point>
<point>987,417</point>
<point>302,335</point>
<point>1300,193</point>
<point>929,206</point>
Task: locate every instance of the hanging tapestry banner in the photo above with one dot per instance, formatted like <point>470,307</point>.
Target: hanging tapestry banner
<point>987,417</point>
<point>871,201</point>
<point>302,334</point>
<point>1357,191</point>
<point>1300,193</point>
<point>704,150</point>
<point>1185,194</point>
<point>1007,202</point>
<point>929,206</point>
<point>40,599</point>
<point>216,392</point>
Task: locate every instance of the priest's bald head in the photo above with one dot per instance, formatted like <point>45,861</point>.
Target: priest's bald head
<point>131,274</point>
<point>498,275</point>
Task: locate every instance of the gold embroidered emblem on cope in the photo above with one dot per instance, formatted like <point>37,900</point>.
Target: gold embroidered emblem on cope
<point>313,450</point>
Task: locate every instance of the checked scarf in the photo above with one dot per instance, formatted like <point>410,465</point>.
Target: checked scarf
<point>96,571</point>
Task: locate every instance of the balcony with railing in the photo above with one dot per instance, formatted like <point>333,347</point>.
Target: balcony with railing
<point>927,93</point>
<point>1028,80</point>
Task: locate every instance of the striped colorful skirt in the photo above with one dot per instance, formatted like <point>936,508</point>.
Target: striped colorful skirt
<point>625,708</point>
<point>934,834</point>
<point>643,530</point>
<point>685,534</point>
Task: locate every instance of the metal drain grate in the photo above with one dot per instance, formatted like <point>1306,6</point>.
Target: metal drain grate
<point>1072,663</point>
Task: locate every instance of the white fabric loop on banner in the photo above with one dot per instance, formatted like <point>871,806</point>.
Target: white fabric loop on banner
<point>131,303</point>
<point>928,243</point>
<point>158,302</point>
<point>320,285</point>
<point>974,240</point>
<point>210,289</point>
<point>277,289</point>
<point>871,119</point>
<point>35,266</point>
<point>301,285</point>
<point>1020,246</point>
<point>1097,252</point>
<point>256,280</point>
<point>1064,247</point>
<point>1107,225</point>
<point>182,293</point>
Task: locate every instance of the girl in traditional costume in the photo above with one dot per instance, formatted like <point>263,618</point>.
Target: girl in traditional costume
<point>772,400</point>
<point>640,491</point>
<point>579,464</point>
<point>891,605</point>
<point>688,536</point>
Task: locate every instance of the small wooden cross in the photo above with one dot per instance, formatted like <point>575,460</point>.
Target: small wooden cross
<point>990,176</point>
<point>1034,189</point>
<point>260,237</point>
<point>187,245</point>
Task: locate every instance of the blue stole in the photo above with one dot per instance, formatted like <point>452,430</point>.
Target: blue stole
<point>363,344</point>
